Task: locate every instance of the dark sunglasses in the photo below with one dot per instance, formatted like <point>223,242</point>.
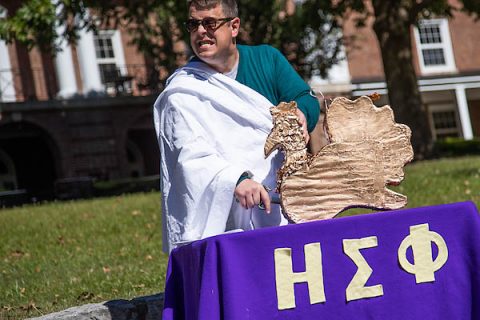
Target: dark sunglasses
<point>208,23</point>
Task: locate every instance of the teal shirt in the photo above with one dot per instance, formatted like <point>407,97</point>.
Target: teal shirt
<point>265,70</point>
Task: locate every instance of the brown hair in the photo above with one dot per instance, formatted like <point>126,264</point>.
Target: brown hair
<point>229,7</point>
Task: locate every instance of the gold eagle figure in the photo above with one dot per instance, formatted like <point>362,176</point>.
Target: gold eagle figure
<point>366,153</point>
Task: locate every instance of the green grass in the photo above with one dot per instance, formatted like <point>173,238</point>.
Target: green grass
<point>57,255</point>
<point>439,181</point>
<point>442,181</point>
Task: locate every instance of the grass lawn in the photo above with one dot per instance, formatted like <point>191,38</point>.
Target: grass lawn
<point>57,255</point>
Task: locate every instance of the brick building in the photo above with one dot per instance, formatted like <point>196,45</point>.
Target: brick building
<point>447,62</point>
<point>87,112</point>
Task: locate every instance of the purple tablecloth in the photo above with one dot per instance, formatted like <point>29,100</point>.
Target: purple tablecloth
<point>233,276</point>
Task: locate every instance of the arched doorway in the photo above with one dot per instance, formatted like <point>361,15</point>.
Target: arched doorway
<point>8,175</point>
<point>142,153</point>
<point>30,151</point>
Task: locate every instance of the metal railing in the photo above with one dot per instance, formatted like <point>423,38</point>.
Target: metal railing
<point>8,87</point>
<point>131,79</point>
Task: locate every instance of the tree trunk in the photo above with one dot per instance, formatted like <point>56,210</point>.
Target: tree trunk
<point>392,27</point>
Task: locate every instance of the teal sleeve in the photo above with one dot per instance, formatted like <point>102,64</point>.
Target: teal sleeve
<point>291,86</point>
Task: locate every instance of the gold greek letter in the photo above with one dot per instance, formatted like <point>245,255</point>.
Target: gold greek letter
<point>357,289</point>
<point>285,278</point>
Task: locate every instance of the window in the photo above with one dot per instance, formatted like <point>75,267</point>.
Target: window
<point>434,46</point>
<point>444,121</point>
<point>110,58</point>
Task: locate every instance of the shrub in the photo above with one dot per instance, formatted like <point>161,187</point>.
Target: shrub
<point>452,147</point>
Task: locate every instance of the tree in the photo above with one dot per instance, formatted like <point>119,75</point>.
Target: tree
<point>309,35</point>
<point>308,39</point>
<point>393,20</point>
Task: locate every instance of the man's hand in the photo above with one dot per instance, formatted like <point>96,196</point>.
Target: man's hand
<point>303,122</point>
<point>250,193</point>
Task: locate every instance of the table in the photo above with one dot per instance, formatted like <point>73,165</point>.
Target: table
<point>421,263</point>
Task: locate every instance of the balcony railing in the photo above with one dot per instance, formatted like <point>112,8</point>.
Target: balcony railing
<point>132,79</point>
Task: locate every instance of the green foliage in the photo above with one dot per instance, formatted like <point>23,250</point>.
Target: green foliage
<point>308,37</point>
<point>34,15</point>
<point>457,147</point>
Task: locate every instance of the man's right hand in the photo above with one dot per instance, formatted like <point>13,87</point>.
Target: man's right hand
<point>251,193</point>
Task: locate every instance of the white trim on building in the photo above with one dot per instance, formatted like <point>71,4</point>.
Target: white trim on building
<point>463,112</point>
<point>456,85</point>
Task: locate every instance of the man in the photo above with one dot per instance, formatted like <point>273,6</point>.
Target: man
<point>212,121</point>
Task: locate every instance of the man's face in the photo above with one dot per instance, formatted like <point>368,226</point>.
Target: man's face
<point>214,47</point>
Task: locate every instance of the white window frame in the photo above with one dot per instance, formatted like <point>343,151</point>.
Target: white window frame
<point>445,45</point>
<point>433,108</point>
<point>119,57</point>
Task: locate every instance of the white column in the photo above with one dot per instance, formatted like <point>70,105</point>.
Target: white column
<point>7,88</point>
<point>64,68</point>
<point>65,72</point>
<point>462,104</point>
<point>87,59</point>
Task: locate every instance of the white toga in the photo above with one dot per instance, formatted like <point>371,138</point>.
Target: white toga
<point>210,129</point>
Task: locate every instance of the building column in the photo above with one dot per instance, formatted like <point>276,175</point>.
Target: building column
<point>7,86</point>
<point>462,104</point>
<point>89,69</point>
<point>64,68</point>
<point>65,72</point>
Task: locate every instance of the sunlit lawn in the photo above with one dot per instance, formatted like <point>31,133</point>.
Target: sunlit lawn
<point>62,254</point>
<point>440,181</point>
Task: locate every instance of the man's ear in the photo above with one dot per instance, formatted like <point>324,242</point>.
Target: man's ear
<point>235,26</point>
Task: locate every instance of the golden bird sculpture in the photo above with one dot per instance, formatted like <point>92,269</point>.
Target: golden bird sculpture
<point>367,151</point>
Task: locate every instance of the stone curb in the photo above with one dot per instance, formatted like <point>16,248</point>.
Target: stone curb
<point>141,308</point>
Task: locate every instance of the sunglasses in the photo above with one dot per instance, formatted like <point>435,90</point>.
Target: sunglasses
<point>210,24</point>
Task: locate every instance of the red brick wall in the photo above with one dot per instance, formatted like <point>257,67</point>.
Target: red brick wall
<point>38,74</point>
<point>465,35</point>
<point>134,60</point>
<point>364,57</point>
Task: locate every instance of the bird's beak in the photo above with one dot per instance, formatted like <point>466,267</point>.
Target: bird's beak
<point>270,145</point>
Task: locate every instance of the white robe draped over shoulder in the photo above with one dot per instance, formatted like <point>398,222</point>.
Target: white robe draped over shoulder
<point>210,129</point>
